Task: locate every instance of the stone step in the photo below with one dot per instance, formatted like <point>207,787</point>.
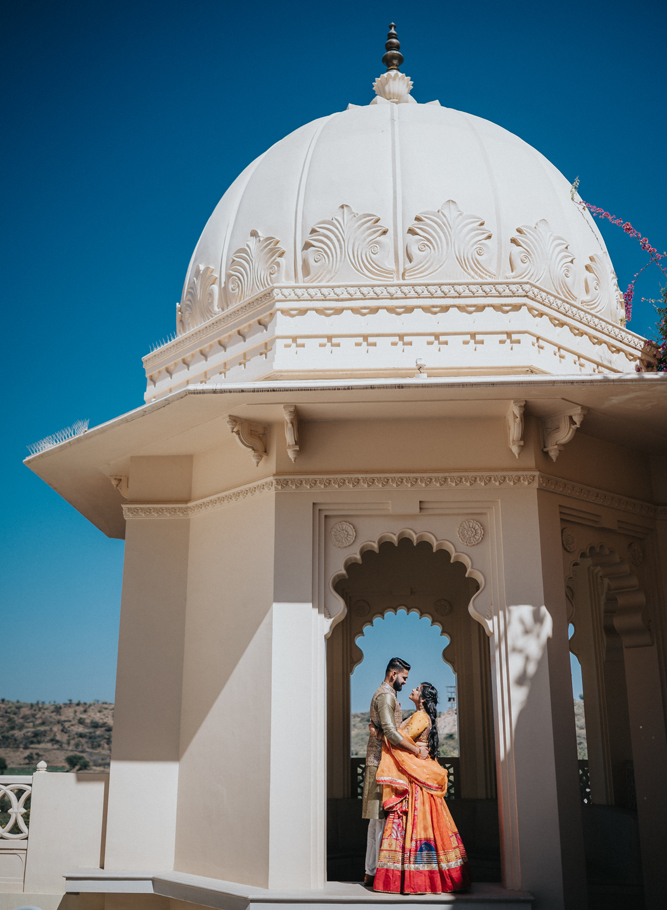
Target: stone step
<point>220,895</point>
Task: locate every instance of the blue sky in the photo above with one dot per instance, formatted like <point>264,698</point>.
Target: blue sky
<point>124,123</point>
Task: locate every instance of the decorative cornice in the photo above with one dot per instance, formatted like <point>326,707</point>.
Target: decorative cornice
<point>402,481</point>
<point>304,295</point>
<point>196,507</point>
<point>306,483</point>
<point>599,497</point>
<point>294,483</point>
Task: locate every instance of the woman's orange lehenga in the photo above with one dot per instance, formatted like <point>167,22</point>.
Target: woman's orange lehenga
<point>421,850</point>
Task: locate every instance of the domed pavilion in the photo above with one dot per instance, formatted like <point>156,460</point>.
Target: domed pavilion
<point>401,378</point>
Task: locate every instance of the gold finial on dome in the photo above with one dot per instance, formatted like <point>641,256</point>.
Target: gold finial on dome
<point>393,85</point>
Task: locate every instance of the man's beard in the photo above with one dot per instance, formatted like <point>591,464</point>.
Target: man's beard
<point>398,685</point>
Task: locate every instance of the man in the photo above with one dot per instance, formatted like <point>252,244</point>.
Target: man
<point>385,720</point>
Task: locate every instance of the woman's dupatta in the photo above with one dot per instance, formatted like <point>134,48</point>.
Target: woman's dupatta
<point>398,767</point>
<point>421,850</point>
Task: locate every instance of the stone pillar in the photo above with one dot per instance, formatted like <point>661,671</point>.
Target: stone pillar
<point>649,750</point>
<point>297,807</point>
<point>143,783</point>
<point>540,813</point>
<point>527,789</point>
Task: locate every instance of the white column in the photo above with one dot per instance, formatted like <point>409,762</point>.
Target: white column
<point>539,807</point>
<point>649,751</point>
<point>527,792</point>
<point>297,845</point>
<point>141,826</point>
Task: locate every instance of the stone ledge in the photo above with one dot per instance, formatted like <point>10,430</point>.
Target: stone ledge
<point>221,895</point>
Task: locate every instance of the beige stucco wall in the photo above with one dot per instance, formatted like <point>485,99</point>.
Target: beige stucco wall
<point>225,739</point>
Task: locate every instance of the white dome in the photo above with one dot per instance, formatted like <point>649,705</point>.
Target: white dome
<point>399,200</point>
<point>396,163</point>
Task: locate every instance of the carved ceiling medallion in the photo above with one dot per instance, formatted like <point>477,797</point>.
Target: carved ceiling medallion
<point>346,237</point>
<point>448,240</point>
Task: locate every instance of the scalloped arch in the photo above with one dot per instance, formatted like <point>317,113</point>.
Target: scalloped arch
<point>380,614</point>
<point>415,538</point>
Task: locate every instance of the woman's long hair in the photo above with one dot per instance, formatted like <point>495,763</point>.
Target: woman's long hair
<point>429,696</point>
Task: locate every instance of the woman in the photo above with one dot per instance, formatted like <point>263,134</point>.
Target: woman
<point>421,850</point>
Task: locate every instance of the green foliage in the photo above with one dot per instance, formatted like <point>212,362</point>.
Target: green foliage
<point>76,762</point>
<point>3,765</point>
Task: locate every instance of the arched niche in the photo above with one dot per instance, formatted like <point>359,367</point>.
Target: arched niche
<point>423,539</point>
<point>420,574</point>
<point>607,606</point>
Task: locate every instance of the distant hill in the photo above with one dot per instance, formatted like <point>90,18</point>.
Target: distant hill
<point>582,747</point>
<point>30,733</point>
<point>447,728</point>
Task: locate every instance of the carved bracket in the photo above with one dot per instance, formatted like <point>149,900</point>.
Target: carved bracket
<point>558,430</point>
<point>515,426</point>
<point>121,483</point>
<point>249,435</point>
<point>291,430</point>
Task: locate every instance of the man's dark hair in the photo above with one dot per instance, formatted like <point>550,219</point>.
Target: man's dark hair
<point>396,664</point>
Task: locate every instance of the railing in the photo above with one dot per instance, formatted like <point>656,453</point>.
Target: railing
<point>584,782</point>
<point>451,765</point>
<point>15,795</point>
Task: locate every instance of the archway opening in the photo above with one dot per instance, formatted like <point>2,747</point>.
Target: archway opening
<point>602,717</point>
<point>398,586</point>
<point>423,645</point>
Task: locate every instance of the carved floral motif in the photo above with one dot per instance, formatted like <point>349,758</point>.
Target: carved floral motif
<point>347,236</point>
<point>343,534</point>
<point>438,239</point>
<point>442,607</point>
<point>569,540</point>
<point>254,268</point>
<point>361,608</point>
<point>470,532</point>
<point>635,553</point>
<point>200,301</point>
<point>601,287</point>
<point>394,86</point>
<point>538,253</point>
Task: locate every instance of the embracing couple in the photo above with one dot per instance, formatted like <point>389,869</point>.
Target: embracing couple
<point>413,845</point>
